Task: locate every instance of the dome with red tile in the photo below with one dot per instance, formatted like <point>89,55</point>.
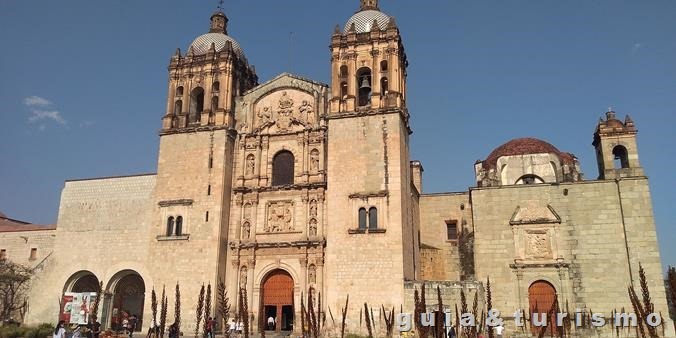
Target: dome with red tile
<point>525,146</point>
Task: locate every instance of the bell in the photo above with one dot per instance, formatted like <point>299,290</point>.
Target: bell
<point>365,83</point>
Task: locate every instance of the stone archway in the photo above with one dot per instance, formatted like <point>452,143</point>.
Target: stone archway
<point>541,299</point>
<point>277,300</point>
<point>82,281</point>
<point>127,297</point>
<point>78,295</point>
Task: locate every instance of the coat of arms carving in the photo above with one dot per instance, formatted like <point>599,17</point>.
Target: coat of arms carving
<point>286,114</point>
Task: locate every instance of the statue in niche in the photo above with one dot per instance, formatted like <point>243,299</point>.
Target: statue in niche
<point>314,160</point>
<point>313,208</point>
<point>307,112</point>
<point>242,277</point>
<point>250,164</point>
<point>246,230</point>
<point>313,228</point>
<point>312,274</point>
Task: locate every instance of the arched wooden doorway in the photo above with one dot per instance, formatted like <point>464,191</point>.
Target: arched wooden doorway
<point>541,298</point>
<point>277,297</point>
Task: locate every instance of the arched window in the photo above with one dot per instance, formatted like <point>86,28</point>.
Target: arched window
<point>343,71</point>
<point>178,107</point>
<point>362,218</point>
<point>214,103</point>
<point>196,103</point>
<point>179,225</point>
<point>282,168</point>
<point>343,90</point>
<point>383,66</point>
<point>179,91</point>
<point>529,179</point>
<point>364,84</point>
<point>384,85</point>
<point>621,160</point>
<point>216,87</point>
<point>170,226</point>
<point>373,218</point>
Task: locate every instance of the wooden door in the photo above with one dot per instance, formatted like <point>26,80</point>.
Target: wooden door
<point>541,299</point>
<point>278,292</point>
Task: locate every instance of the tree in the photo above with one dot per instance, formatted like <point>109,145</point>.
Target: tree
<point>671,282</point>
<point>14,283</point>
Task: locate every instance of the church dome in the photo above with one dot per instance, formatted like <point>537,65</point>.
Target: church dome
<point>203,42</point>
<point>525,146</point>
<point>363,20</point>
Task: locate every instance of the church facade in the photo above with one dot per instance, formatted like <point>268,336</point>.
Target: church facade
<point>292,186</point>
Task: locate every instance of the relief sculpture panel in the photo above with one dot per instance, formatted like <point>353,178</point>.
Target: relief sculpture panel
<point>280,217</point>
<point>284,111</point>
<point>538,245</point>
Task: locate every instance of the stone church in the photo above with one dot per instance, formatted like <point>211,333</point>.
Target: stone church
<point>292,186</point>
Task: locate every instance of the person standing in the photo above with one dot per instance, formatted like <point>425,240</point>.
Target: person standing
<point>60,330</point>
<point>95,329</point>
<point>210,328</point>
<point>498,330</point>
<point>271,323</point>
<point>132,325</point>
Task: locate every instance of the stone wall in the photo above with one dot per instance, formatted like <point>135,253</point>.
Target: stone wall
<point>442,261</point>
<point>101,229</point>
<point>586,239</point>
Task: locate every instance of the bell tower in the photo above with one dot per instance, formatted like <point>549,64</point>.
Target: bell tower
<point>368,63</point>
<point>616,148</point>
<point>204,81</point>
<point>369,180</point>
<point>193,187</point>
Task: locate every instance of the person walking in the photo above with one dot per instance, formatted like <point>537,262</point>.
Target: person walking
<point>60,330</point>
<point>210,328</point>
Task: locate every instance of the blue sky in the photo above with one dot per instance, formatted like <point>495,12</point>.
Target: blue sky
<point>83,83</point>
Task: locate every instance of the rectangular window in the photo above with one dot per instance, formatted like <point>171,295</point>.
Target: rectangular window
<point>452,230</point>
<point>3,253</point>
<point>34,254</point>
<point>209,190</point>
<point>206,218</point>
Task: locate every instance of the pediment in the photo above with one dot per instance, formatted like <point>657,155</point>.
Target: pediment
<point>285,104</point>
<point>533,212</point>
<point>284,111</point>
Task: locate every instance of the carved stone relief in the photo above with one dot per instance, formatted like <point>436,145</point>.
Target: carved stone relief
<point>537,244</point>
<point>282,112</point>
<point>313,208</point>
<point>250,164</point>
<point>312,274</point>
<point>279,217</point>
<point>246,230</point>
<point>314,160</point>
<point>313,227</point>
<point>242,277</point>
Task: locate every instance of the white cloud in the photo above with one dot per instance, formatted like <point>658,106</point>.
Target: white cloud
<point>86,123</point>
<point>38,114</point>
<point>41,115</point>
<point>33,101</point>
